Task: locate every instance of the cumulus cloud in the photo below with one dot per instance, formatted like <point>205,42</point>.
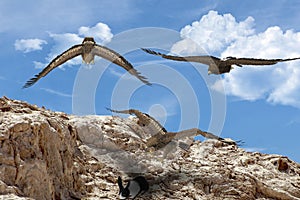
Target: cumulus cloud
<point>28,45</point>
<point>187,47</point>
<point>213,32</point>
<point>101,33</point>
<point>224,36</point>
<point>272,43</point>
<point>278,84</point>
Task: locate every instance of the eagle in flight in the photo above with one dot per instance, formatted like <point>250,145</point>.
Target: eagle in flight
<point>220,66</point>
<point>88,49</point>
<point>161,137</point>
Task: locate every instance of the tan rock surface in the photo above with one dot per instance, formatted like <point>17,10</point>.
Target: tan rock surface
<point>51,155</point>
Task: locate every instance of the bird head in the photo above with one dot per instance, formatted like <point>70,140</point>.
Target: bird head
<point>88,40</point>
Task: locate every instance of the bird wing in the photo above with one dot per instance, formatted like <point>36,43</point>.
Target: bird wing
<point>207,60</point>
<point>116,58</point>
<point>158,125</point>
<point>144,117</point>
<point>196,131</point>
<point>255,61</point>
<point>74,51</point>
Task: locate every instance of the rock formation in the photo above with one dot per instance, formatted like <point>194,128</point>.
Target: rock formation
<point>52,155</point>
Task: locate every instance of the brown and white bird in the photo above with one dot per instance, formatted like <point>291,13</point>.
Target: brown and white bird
<point>144,120</point>
<point>161,137</point>
<point>220,66</point>
<point>88,49</point>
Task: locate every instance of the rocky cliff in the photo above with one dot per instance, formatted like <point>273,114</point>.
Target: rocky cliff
<point>52,155</point>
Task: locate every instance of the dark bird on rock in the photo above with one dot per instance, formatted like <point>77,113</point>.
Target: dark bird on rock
<point>135,187</point>
<point>88,49</point>
<point>220,66</point>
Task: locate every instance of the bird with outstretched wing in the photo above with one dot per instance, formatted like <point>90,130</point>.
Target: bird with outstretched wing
<point>143,120</point>
<point>161,137</point>
<point>220,66</point>
<point>88,49</point>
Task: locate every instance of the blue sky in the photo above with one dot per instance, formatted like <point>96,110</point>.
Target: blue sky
<point>259,105</point>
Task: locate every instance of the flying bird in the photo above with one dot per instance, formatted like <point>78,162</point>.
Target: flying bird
<point>87,49</point>
<point>220,66</point>
<point>161,137</point>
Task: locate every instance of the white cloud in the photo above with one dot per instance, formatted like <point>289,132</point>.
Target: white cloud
<point>28,45</point>
<point>277,84</point>
<point>100,32</point>
<point>272,43</point>
<point>187,47</point>
<point>222,34</point>
<point>213,32</point>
